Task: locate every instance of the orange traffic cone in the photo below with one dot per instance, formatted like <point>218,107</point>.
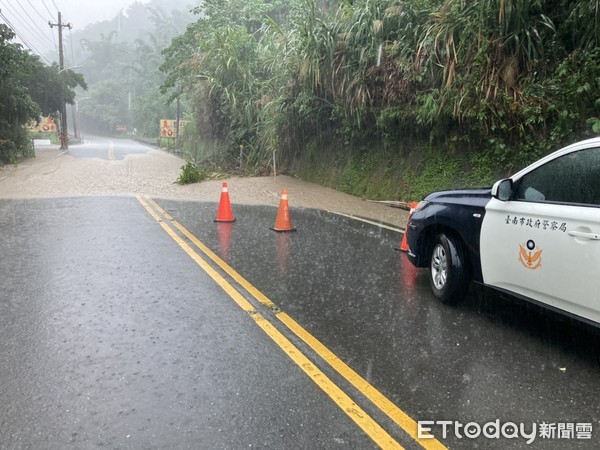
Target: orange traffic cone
<point>404,245</point>
<point>225,214</point>
<point>283,222</point>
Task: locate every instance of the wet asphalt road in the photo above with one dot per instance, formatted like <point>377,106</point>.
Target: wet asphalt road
<point>109,149</point>
<point>486,359</point>
<point>112,336</point>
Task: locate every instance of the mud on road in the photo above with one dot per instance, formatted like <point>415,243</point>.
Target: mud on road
<point>54,173</point>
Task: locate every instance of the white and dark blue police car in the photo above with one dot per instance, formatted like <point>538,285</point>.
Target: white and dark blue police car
<point>535,235</point>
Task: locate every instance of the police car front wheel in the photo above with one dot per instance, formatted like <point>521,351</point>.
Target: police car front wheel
<point>447,273</point>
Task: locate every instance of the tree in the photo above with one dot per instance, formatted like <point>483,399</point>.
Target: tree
<point>16,106</point>
<point>227,64</point>
<point>48,86</point>
<point>507,78</point>
<point>122,68</point>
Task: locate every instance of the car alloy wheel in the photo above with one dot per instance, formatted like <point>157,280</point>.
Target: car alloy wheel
<point>439,267</point>
<point>448,273</point>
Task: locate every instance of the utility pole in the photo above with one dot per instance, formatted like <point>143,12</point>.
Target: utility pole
<point>177,126</point>
<point>64,135</point>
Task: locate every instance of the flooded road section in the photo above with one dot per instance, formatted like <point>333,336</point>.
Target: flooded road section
<point>119,329</point>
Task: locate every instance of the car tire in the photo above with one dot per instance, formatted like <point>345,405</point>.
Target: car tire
<point>447,270</point>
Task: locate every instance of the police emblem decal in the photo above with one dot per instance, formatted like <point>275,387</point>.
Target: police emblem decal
<point>528,258</point>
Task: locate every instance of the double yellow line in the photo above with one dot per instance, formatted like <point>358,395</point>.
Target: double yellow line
<point>355,412</point>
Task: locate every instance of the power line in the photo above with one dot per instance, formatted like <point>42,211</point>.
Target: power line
<point>57,8</point>
<point>25,42</point>
<point>48,9</point>
<point>26,34</point>
<point>71,45</point>
<point>25,22</point>
<point>54,41</point>
<point>38,13</point>
<point>52,30</point>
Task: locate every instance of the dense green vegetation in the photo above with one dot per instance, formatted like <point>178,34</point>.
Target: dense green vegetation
<point>120,60</point>
<point>379,98</point>
<point>387,97</point>
<point>16,106</point>
<point>191,173</point>
<point>28,88</point>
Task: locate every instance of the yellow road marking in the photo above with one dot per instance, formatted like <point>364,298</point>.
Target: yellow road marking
<point>235,295</point>
<point>262,298</point>
<point>381,401</point>
<point>355,412</point>
<point>408,424</point>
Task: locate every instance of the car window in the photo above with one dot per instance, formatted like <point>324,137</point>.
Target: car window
<point>572,178</point>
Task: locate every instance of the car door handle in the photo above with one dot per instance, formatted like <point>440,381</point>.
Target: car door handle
<point>593,236</point>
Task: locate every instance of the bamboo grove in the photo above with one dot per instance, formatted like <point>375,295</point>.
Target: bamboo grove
<point>509,78</point>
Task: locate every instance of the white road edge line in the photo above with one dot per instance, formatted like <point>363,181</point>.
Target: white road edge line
<point>360,219</point>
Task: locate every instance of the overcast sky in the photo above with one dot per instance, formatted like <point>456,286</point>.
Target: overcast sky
<point>29,18</point>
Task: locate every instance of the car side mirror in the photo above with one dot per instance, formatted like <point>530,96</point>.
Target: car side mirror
<point>503,190</point>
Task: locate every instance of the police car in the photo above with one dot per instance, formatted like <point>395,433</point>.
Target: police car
<point>535,235</point>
